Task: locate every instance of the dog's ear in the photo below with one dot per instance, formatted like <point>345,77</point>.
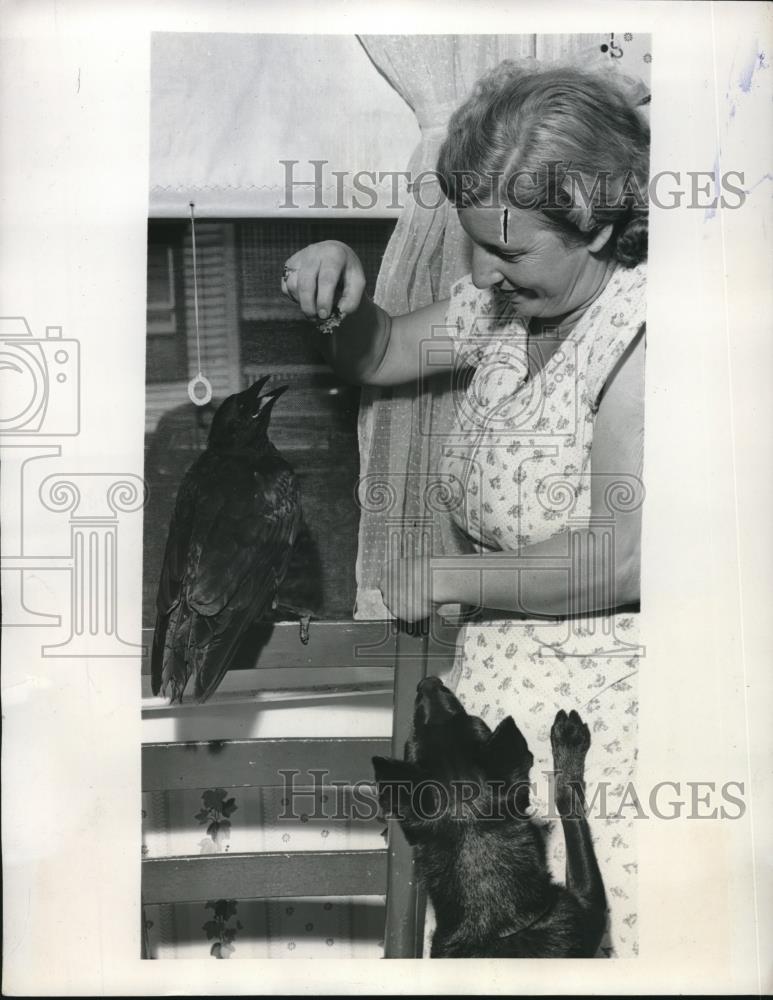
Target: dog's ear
<point>389,769</point>
<point>507,747</point>
<point>508,759</point>
<point>397,780</point>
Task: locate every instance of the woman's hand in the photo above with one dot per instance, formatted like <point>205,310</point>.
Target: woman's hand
<point>367,347</point>
<point>318,273</point>
<point>406,588</point>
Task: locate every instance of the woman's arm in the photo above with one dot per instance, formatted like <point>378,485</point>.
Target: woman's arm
<point>372,348</point>
<point>550,578</point>
<point>368,347</point>
<point>617,465</point>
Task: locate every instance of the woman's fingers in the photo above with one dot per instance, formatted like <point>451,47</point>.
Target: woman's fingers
<point>327,286</point>
<point>354,286</point>
<point>314,277</point>
<point>306,288</point>
<point>340,267</point>
<point>405,588</point>
<point>289,282</point>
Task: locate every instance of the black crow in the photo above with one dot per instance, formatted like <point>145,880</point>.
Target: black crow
<point>235,522</point>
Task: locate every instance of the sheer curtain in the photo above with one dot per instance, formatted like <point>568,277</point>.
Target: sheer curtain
<point>427,253</point>
<point>400,429</point>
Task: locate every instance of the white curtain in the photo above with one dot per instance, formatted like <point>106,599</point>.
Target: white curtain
<point>400,431</point>
<point>427,253</point>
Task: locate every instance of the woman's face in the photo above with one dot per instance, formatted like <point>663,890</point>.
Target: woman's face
<point>522,258</point>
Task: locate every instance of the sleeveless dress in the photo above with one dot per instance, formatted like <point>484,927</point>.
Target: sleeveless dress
<point>519,458</point>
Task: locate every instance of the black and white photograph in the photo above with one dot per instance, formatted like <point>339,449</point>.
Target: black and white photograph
<point>384,498</point>
<point>352,415</point>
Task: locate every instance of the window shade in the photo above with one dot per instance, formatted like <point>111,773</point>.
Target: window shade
<point>227,109</point>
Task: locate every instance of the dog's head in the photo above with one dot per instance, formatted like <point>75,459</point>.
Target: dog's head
<point>456,770</point>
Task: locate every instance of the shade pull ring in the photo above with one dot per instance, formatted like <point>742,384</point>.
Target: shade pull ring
<point>200,390</point>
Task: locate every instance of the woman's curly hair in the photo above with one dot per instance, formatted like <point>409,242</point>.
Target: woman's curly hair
<point>565,142</point>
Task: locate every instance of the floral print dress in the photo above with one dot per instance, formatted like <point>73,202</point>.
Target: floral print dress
<point>519,457</point>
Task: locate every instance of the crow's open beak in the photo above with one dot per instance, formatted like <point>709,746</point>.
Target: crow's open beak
<point>267,400</point>
<point>253,392</point>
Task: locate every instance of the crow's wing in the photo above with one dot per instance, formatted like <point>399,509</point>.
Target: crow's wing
<point>172,575</point>
<point>235,567</point>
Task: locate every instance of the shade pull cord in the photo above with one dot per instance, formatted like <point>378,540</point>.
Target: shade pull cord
<point>199,387</point>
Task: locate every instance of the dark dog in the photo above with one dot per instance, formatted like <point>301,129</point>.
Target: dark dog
<point>461,796</point>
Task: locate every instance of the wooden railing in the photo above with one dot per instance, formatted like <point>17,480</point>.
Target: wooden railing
<point>339,646</point>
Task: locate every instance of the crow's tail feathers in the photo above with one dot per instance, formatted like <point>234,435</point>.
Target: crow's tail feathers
<point>213,657</point>
<point>171,655</point>
<point>183,644</point>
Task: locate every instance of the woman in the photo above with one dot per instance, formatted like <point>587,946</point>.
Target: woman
<point>548,172</point>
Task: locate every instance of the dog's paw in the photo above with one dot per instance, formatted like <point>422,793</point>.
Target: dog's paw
<point>570,739</point>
